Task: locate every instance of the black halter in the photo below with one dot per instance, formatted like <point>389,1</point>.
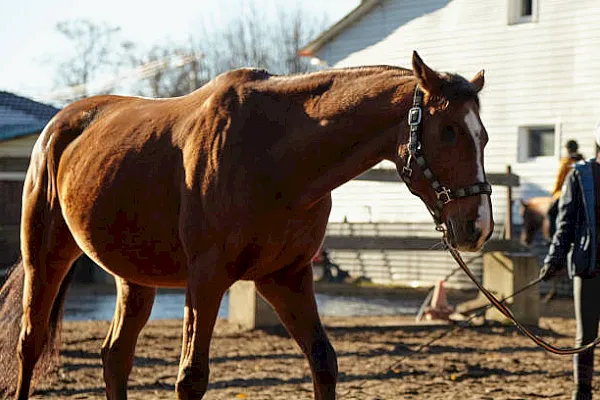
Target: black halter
<point>442,193</point>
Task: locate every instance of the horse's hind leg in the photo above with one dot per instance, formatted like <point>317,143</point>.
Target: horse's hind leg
<point>134,304</point>
<point>290,292</point>
<point>48,251</point>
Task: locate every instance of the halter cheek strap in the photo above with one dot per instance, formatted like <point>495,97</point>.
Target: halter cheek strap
<point>443,194</point>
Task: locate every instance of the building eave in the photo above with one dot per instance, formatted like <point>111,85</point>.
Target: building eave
<point>15,132</point>
<point>311,49</point>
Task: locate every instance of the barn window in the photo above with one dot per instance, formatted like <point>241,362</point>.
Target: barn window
<point>522,11</point>
<point>536,141</point>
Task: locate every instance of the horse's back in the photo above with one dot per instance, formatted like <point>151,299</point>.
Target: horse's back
<point>131,178</point>
<point>540,203</point>
<point>115,166</point>
<point>534,214</point>
<point>109,168</point>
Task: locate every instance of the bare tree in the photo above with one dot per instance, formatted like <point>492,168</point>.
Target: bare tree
<point>173,70</point>
<point>95,54</point>
<point>253,39</point>
<point>293,30</point>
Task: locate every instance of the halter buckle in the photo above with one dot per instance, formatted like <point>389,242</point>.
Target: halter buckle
<point>406,173</point>
<point>444,195</point>
<point>414,116</point>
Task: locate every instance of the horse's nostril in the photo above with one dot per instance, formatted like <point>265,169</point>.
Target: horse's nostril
<point>473,231</point>
<point>471,226</point>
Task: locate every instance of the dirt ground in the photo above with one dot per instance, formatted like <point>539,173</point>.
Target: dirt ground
<point>486,362</point>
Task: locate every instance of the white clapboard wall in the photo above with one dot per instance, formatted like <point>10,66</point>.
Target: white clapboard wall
<point>539,73</point>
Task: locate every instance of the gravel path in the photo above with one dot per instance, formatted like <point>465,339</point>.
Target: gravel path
<point>487,362</point>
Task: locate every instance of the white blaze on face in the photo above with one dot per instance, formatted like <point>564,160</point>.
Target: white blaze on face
<point>475,128</point>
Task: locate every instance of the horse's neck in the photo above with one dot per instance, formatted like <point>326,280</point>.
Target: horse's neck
<point>347,129</point>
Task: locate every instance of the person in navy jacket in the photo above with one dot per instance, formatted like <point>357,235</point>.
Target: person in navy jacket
<point>575,244</point>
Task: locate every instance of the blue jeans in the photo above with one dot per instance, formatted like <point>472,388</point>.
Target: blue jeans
<point>586,293</point>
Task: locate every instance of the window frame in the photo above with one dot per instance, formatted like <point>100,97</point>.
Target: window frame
<point>524,143</point>
<point>515,16</point>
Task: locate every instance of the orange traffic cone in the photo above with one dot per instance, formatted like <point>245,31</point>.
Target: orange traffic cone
<point>439,308</point>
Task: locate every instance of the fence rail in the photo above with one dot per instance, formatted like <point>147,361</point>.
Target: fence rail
<point>507,179</point>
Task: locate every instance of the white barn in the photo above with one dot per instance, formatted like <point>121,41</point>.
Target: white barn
<point>542,63</point>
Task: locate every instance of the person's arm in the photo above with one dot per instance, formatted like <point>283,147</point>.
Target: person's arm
<point>568,205</point>
<point>563,170</point>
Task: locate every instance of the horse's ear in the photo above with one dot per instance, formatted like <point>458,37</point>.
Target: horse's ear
<point>478,80</point>
<point>523,203</point>
<point>429,80</point>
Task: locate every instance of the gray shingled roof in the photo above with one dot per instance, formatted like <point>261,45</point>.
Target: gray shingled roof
<point>20,116</point>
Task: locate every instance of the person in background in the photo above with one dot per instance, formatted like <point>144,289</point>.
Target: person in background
<point>576,244</point>
<point>566,164</point>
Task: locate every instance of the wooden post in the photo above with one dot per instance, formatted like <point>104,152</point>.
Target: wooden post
<point>509,218</point>
<point>248,309</point>
<point>503,274</point>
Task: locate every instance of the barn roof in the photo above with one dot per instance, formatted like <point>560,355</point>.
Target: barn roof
<point>353,16</point>
<point>20,116</point>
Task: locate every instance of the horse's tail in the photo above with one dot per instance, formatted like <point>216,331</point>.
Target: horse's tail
<point>11,312</point>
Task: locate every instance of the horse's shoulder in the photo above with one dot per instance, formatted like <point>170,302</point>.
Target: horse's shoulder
<point>241,76</point>
<point>231,87</point>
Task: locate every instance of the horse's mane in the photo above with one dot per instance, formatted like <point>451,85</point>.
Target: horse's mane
<point>352,83</point>
<point>454,87</point>
<point>351,70</point>
<point>324,79</point>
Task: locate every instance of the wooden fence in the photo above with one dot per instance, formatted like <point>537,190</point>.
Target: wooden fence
<point>372,240</point>
<point>379,240</point>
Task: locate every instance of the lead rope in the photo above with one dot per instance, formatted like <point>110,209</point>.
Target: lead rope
<point>463,324</point>
<point>494,302</point>
<point>508,314</point>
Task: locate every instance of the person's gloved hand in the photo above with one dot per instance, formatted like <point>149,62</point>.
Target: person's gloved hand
<point>548,271</point>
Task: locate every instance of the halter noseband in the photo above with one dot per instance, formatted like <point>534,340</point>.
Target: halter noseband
<point>442,193</point>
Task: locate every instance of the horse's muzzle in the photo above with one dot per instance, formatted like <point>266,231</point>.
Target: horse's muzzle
<point>469,239</point>
<point>470,234</point>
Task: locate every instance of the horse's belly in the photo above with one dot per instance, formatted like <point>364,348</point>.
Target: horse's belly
<point>142,259</point>
<point>289,242</point>
<point>139,243</point>
<point>151,268</point>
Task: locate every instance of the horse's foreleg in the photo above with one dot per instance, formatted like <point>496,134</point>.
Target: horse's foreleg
<point>203,298</point>
<point>291,293</point>
<point>134,304</point>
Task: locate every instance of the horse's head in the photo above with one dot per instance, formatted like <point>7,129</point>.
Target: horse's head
<point>442,162</point>
<point>533,213</point>
<point>531,224</point>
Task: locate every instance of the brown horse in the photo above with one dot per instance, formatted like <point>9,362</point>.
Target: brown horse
<point>230,182</point>
<point>534,213</point>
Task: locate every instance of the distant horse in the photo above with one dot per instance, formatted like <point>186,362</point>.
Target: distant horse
<point>230,182</point>
<point>534,213</point>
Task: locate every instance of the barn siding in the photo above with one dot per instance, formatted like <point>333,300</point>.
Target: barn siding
<point>537,73</point>
<point>14,160</point>
<point>544,72</point>
<point>18,147</point>
<point>10,214</point>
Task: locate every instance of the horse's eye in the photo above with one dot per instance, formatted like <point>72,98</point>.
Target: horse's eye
<point>448,134</point>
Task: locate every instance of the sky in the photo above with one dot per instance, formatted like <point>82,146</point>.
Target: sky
<point>30,46</point>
